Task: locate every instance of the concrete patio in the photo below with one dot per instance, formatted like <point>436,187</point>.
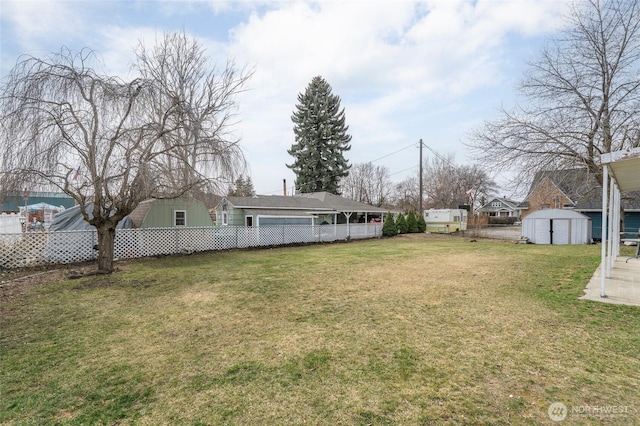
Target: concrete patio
<point>623,287</point>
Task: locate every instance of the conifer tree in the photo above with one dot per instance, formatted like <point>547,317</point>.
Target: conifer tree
<point>401,224</point>
<point>321,139</point>
<point>412,224</point>
<point>389,226</point>
<point>422,225</point>
<point>242,188</point>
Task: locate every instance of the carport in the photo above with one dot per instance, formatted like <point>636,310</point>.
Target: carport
<point>621,173</point>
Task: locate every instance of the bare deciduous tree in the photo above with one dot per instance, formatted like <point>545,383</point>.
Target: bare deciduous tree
<point>367,183</point>
<point>406,195</point>
<point>110,143</point>
<point>580,99</point>
<point>448,185</point>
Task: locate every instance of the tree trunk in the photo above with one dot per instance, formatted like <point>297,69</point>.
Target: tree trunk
<point>106,241</point>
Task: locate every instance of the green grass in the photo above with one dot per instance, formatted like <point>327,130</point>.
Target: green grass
<point>402,331</point>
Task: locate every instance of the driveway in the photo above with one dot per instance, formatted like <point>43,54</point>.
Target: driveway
<point>497,232</point>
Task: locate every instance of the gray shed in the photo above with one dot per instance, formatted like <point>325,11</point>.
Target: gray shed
<point>557,226</point>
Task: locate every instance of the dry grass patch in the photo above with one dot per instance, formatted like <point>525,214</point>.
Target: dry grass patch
<point>401,331</point>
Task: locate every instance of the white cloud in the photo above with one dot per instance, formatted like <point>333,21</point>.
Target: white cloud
<point>34,20</point>
<point>404,69</point>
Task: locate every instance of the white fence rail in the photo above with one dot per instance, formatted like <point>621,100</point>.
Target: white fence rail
<point>42,248</point>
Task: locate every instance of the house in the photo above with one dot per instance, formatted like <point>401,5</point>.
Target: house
<point>501,207</point>
<point>13,202</point>
<point>579,190</point>
<point>152,213</point>
<point>303,209</point>
<point>167,213</point>
<point>351,211</point>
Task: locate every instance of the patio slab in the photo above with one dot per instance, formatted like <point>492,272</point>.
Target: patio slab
<point>623,287</point>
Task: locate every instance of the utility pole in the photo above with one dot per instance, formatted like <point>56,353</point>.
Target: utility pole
<point>420,174</point>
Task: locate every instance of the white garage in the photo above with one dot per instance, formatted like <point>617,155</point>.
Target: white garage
<point>557,226</point>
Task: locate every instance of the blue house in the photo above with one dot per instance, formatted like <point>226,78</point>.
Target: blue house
<point>579,190</point>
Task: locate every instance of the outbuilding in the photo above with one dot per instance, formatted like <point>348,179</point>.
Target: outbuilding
<point>557,226</point>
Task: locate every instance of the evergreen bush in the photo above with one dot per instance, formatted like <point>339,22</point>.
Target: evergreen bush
<point>401,224</point>
<point>412,223</point>
<point>389,226</point>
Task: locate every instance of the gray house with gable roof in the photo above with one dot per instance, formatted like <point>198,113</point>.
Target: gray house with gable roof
<point>303,209</point>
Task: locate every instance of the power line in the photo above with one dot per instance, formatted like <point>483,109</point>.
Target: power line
<point>372,161</point>
<point>389,155</point>
<point>402,171</point>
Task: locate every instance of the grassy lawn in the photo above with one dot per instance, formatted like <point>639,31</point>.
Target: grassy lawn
<point>403,331</point>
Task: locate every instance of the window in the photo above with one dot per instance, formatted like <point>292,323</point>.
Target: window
<point>248,221</point>
<point>179,218</point>
<point>225,218</point>
<point>456,218</point>
<point>496,204</point>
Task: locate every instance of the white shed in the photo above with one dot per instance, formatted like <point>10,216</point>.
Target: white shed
<point>557,226</point>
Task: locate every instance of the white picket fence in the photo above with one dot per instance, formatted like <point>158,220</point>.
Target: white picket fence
<point>42,248</point>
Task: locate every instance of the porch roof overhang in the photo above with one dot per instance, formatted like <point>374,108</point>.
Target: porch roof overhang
<point>624,168</point>
<point>620,173</point>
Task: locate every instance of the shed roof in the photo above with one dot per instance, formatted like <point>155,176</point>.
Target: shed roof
<point>556,214</point>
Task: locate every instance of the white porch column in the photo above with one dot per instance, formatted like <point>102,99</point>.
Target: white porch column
<point>615,222</point>
<point>612,227</point>
<point>603,232</point>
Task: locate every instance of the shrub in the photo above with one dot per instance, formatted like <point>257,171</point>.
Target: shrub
<point>496,220</point>
<point>422,225</point>
<point>401,224</point>
<point>389,226</point>
<point>412,223</point>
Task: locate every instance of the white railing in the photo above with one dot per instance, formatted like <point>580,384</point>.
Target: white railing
<point>42,248</point>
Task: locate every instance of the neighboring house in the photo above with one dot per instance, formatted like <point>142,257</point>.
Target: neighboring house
<point>579,190</point>
<point>501,207</point>
<point>152,213</point>
<point>13,202</point>
<point>350,210</point>
<point>303,209</point>
<point>168,213</point>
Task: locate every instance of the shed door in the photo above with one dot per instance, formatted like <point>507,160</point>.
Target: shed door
<point>541,231</point>
<point>561,228</point>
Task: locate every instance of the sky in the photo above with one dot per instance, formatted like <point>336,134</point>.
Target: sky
<point>405,71</point>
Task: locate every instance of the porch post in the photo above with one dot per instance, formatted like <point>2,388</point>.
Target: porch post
<point>612,226</point>
<point>616,216</point>
<point>603,232</point>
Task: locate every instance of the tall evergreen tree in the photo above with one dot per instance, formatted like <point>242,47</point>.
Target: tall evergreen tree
<point>321,139</point>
